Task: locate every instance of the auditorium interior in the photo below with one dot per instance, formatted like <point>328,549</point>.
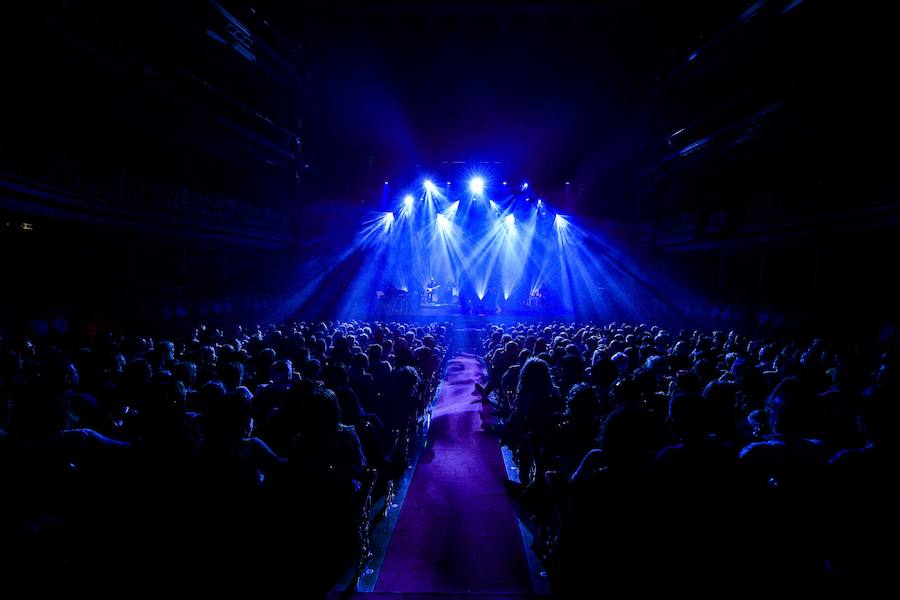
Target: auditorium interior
<point>594,296</point>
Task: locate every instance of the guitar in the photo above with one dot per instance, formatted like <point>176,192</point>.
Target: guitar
<point>429,293</point>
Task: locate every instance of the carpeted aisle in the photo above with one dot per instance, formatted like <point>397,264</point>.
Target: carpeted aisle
<point>457,531</point>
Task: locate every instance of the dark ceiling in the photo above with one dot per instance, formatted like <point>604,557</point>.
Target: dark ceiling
<point>536,87</point>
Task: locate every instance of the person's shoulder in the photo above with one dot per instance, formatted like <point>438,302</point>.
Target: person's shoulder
<point>669,452</point>
<point>81,436</point>
<point>755,448</point>
<point>847,457</point>
<point>253,442</point>
<point>347,433</point>
<point>592,462</point>
<point>257,446</point>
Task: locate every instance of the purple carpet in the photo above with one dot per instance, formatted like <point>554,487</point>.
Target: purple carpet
<point>457,531</point>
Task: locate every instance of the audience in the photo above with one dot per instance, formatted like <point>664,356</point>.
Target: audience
<point>247,456</point>
<point>698,458</point>
<point>648,458</point>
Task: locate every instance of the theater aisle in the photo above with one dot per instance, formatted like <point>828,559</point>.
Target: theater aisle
<point>457,531</point>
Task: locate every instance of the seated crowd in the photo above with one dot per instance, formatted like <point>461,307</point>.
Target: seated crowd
<point>246,455</point>
<point>659,459</point>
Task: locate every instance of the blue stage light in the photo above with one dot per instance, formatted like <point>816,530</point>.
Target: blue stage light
<point>476,185</point>
<point>525,186</point>
<point>560,222</point>
<point>386,182</point>
<point>503,251</point>
<point>429,186</point>
<point>449,213</point>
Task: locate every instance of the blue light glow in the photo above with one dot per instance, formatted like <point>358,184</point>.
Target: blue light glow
<point>560,222</point>
<point>450,211</point>
<point>476,185</point>
<point>498,254</point>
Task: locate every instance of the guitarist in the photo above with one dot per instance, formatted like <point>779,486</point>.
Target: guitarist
<point>430,296</point>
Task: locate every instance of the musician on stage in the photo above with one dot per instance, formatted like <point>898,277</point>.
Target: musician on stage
<point>430,288</point>
<point>450,293</point>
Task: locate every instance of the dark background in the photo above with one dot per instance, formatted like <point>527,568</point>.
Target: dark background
<point>172,161</point>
